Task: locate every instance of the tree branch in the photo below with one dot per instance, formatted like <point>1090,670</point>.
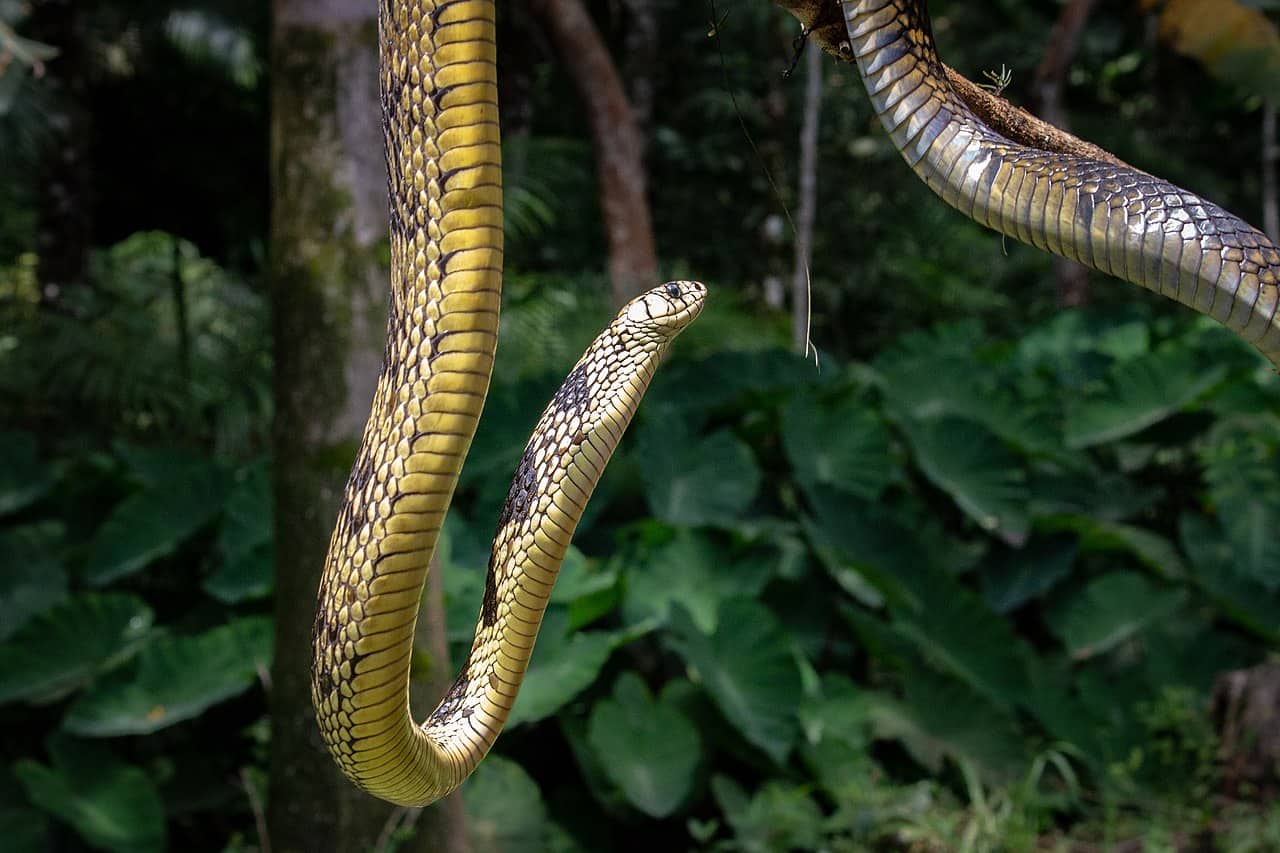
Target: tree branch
<point>824,25</point>
<point>619,145</point>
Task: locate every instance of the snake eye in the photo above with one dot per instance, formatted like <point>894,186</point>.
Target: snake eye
<point>673,290</point>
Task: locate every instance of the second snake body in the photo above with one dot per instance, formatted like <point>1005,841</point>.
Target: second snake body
<point>1109,217</point>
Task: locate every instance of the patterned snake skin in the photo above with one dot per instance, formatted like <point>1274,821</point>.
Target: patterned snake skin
<point>440,114</point>
<point>1118,220</point>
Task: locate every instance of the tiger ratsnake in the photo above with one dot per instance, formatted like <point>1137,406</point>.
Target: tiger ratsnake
<point>1106,216</point>
<point>440,117</point>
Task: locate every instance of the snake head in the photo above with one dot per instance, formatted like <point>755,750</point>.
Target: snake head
<point>665,310</point>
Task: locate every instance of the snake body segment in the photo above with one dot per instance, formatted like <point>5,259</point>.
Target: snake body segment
<point>1114,219</point>
<point>440,115</point>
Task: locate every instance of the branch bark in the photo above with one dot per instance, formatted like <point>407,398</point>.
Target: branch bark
<point>825,27</point>
<point>619,145</point>
<point>1050,79</point>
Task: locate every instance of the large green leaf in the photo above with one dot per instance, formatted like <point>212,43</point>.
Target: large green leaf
<point>845,447</point>
<point>872,549</point>
<point>984,477</point>
<point>23,478</point>
<point>747,669</point>
<point>33,579</point>
<point>249,576</point>
<point>63,648</point>
<point>153,522</point>
<point>1151,549</point>
<point>692,481</point>
<point>1018,576</point>
<point>563,665</point>
<point>690,570</point>
<point>1245,601</point>
<point>649,749</point>
<point>1243,471</point>
<point>1109,610</point>
<point>957,632</point>
<point>1139,392</point>
<point>246,516</point>
<point>588,589</point>
<point>934,375</point>
<point>505,812</point>
<point>938,718</point>
<point>113,805</point>
<point>176,679</point>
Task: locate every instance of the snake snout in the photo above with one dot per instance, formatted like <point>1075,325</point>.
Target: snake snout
<point>668,308</point>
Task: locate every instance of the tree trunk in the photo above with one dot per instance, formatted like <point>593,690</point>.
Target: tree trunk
<point>64,225</point>
<point>329,295</point>
<point>641,41</point>
<point>1050,79</point>
<point>808,208</point>
<point>619,146</point>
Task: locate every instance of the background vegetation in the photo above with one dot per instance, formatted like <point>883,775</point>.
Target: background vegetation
<point>968,585</point>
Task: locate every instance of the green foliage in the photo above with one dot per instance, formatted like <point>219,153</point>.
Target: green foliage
<point>906,581</point>
<point>747,669</point>
<point>649,749</point>
<point>176,679</point>
<point>112,805</point>
<point>963,588</point>
<point>63,648</point>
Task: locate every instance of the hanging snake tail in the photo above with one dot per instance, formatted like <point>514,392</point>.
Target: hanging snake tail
<point>1108,217</point>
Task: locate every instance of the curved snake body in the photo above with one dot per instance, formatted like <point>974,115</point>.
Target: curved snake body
<point>1114,219</point>
<point>440,116</point>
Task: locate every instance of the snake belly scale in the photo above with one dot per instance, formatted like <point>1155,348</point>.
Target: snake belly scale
<point>1117,220</point>
<point>440,116</point>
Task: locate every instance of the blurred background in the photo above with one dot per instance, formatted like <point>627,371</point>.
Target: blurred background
<point>996,570</point>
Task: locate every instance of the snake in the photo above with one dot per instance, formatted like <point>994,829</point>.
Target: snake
<point>440,120</point>
<point>1108,216</point>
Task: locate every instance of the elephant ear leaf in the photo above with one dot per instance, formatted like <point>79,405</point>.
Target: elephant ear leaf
<point>1139,392</point>
<point>648,748</point>
<point>1110,610</point>
<point>176,679</point>
<point>748,670</point>
<point>34,578</point>
<point>112,805</point>
<point>693,481</point>
<point>61,650</point>
<point>23,478</point>
<point>505,812</point>
<point>153,522</point>
<point>983,477</point>
<point>846,447</point>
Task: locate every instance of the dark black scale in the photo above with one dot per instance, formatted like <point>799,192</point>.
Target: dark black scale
<point>448,706</point>
<point>516,506</point>
<point>573,398</point>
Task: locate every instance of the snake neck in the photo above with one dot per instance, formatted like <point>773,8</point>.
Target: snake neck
<point>1108,217</point>
<point>557,473</point>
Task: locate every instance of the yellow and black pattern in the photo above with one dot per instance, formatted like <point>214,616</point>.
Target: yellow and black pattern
<point>440,115</point>
<point>1118,220</point>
